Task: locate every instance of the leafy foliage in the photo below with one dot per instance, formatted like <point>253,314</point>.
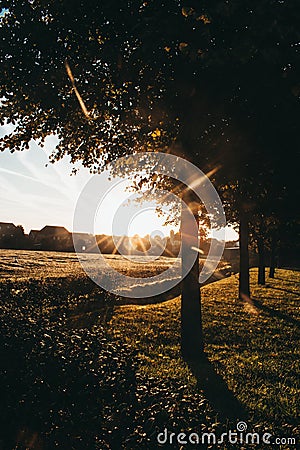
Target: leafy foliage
<point>116,76</point>
<point>64,387</point>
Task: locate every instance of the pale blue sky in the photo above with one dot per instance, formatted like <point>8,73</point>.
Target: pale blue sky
<point>34,195</point>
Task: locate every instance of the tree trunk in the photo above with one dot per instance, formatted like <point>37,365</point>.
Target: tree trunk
<point>272,260</point>
<point>261,261</point>
<point>244,284</point>
<point>191,321</point>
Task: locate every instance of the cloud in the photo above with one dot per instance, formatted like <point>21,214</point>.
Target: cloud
<point>35,180</point>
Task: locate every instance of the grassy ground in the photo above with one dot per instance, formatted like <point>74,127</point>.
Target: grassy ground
<point>20,265</point>
<point>138,385</point>
<point>252,366</point>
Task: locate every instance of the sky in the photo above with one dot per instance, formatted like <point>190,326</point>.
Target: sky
<point>35,193</point>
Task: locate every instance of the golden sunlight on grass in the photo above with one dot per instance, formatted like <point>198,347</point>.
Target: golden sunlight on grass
<point>251,345</point>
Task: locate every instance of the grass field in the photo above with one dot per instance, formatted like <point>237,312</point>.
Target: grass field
<point>21,264</point>
<point>252,366</point>
<point>56,394</point>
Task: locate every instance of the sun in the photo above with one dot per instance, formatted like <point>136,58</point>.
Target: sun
<point>131,220</point>
<point>123,213</point>
<point>147,222</point>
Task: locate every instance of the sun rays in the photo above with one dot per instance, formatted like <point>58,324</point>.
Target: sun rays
<point>36,193</point>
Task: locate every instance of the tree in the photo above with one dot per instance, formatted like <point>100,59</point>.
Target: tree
<point>206,81</point>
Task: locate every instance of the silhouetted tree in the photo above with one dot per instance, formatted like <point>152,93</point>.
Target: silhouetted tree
<point>208,81</point>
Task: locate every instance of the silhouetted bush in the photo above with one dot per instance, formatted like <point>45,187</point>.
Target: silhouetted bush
<point>68,389</point>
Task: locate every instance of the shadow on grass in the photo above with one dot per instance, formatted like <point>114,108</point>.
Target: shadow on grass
<point>91,314</point>
<point>274,313</point>
<point>286,280</point>
<point>100,316</point>
<point>95,308</point>
<point>286,290</point>
<point>216,391</point>
<point>164,297</point>
<point>170,294</point>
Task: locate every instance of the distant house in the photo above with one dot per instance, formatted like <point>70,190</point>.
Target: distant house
<point>34,234</point>
<point>34,239</point>
<point>51,237</point>
<point>54,231</point>
<point>7,229</point>
<point>11,236</point>
<point>57,238</point>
